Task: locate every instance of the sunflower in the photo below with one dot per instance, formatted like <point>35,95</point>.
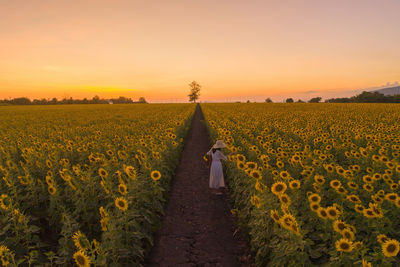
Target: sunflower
<point>49,164</point>
<point>296,158</point>
<point>356,167</point>
<point>121,203</point>
<point>329,168</point>
<point>130,172</point>
<point>397,202</point>
<point>319,179</point>
<point>285,209</point>
<point>352,185</point>
<point>295,229</point>
<point>377,176</point>
<point>5,202</point>
<point>314,198</point>
<point>357,245</point>
<point>255,201</point>
<point>104,224</point>
<point>81,259</point>
<point>368,187</point>
<point>314,206</point>
<point>284,174</point>
<point>275,216</point>
<point>260,187</point>
<point>390,165</point>
<point>335,184</point>
<point>375,157</point>
<point>391,248</point>
<point>391,197</point>
<point>394,186</point>
<point>155,175</point>
<point>122,189</point>
<point>285,199</point>
<point>369,170</point>
<point>340,170</point>
<point>122,154</point>
<point>80,241</point>
<point>256,174</point>
<point>366,263</point>
<point>52,190</point>
<point>376,210</point>
<point>5,255</point>
<point>344,245</point>
<point>341,190</point>
<point>287,220</point>
<point>359,208</point>
<point>369,213</point>
<point>251,165</point>
<point>377,199</point>
<point>103,173</point>
<point>368,179</point>
<point>103,212</point>
<point>347,234</point>
<point>321,212</point>
<point>240,157</point>
<point>280,164</point>
<point>316,187</point>
<point>353,198</point>
<point>382,238</point>
<point>332,212</point>
<point>278,188</point>
<point>240,165</point>
<point>294,184</point>
<point>339,226</point>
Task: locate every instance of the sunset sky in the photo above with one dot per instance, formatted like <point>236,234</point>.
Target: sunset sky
<point>236,50</point>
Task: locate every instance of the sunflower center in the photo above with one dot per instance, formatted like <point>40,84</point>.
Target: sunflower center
<point>80,260</point>
<point>344,246</point>
<point>391,248</point>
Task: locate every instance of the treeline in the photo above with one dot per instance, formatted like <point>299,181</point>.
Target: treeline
<point>66,101</point>
<point>367,97</point>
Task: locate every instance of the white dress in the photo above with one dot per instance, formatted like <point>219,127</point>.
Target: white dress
<point>216,173</point>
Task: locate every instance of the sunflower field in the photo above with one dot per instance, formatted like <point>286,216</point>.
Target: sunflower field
<point>85,184</point>
<point>314,184</point>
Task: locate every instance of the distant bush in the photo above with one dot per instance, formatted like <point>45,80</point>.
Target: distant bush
<point>367,97</point>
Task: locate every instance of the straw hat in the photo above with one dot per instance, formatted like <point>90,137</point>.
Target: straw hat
<point>219,144</point>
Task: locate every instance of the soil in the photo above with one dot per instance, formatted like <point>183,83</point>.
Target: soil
<point>198,228</point>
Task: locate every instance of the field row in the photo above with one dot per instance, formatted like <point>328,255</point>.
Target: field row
<point>314,184</point>
<point>85,184</point>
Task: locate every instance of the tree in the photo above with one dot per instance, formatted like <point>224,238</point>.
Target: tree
<point>21,101</point>
<point>315,99</point>
<point>194,91</point>
<point>96,99</point>
<point>289,100</point>
<point>300,101</point>
<point>268,100</point>
<point>142,100</point>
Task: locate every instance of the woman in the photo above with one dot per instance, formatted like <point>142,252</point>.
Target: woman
<point>216,173</point>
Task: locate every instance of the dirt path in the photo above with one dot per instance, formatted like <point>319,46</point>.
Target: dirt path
<point>197,228</point>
